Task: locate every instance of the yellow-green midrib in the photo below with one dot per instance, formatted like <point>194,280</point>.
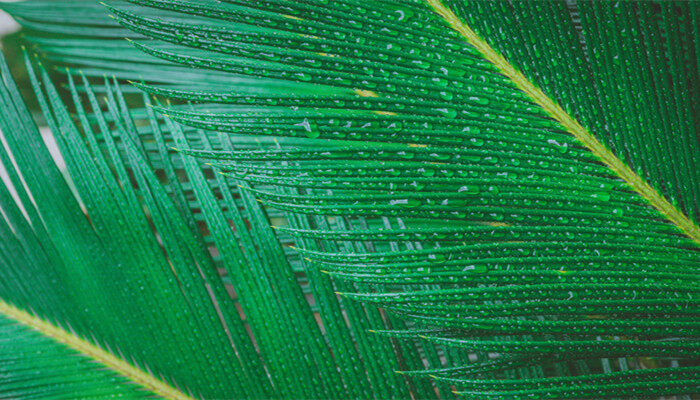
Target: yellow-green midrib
<point>92,352</point>
<point>570,124</point>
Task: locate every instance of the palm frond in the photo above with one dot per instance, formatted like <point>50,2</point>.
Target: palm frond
<point>513,184</point>
<point>106,275</point>
<point>36,350</point>
<point>274,343</point>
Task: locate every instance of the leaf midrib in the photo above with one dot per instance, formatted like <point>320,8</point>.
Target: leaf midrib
<point>94,353</point>
<point>571,125</point>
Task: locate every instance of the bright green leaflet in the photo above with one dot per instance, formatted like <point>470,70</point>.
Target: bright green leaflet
<point>411,174</point>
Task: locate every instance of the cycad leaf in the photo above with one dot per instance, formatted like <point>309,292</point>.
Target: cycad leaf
<point>52,260</point>
<point>534,225</point>
<point>114,155</point>
<point>458,144</point>
<point>60,365</point>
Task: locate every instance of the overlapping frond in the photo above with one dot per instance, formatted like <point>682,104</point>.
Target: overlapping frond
<point>534,235</point>
<point>515,183</point>
<point>214,249</point>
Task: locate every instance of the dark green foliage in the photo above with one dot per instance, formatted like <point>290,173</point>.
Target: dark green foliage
<point>485,248</point>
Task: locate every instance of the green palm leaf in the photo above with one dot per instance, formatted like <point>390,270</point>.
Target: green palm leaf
<point>513,184</point>
<point>286,344</point>
<point>36,350</point>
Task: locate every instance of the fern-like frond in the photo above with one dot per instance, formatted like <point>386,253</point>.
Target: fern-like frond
<point>514,184</point>
<point>126,185</point>
<point>106,275</point>
<point>434,128</point>
<point>81,370</point>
